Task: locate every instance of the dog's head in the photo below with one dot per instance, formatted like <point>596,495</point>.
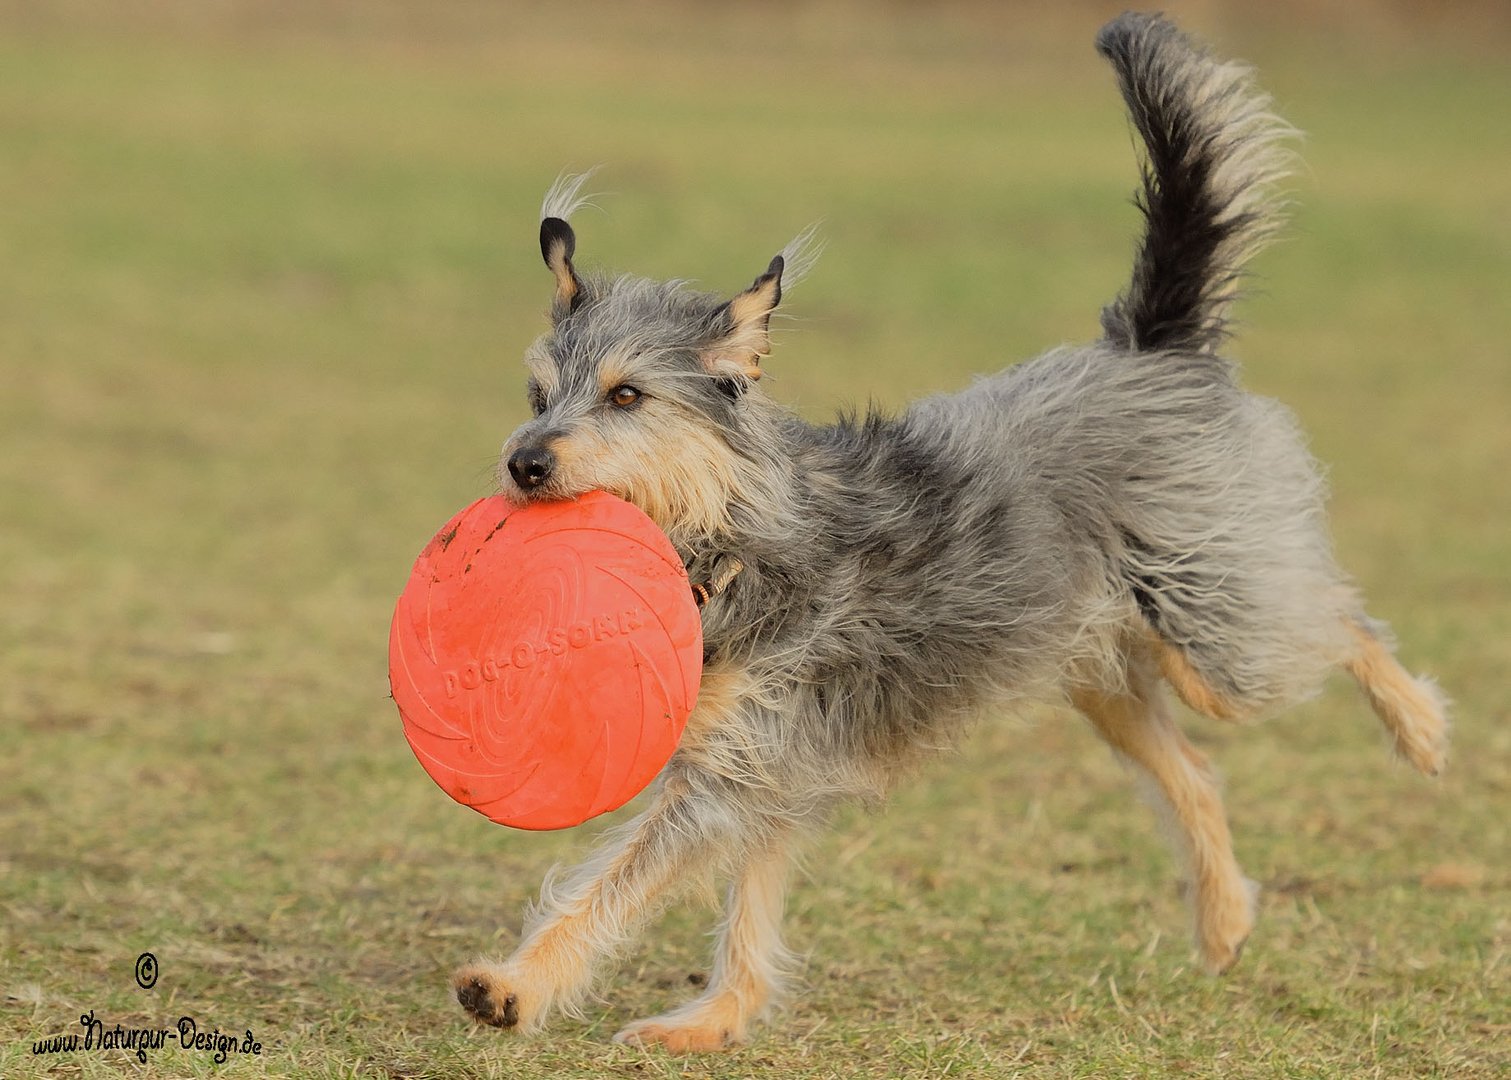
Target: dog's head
<point>643,389</point>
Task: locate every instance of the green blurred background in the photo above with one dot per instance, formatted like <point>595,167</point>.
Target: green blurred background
<point>266,271</point>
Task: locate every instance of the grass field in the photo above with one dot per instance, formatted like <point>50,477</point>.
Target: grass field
<point>264,284</point>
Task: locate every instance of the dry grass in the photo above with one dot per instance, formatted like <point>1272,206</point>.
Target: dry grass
<point>265,282</point>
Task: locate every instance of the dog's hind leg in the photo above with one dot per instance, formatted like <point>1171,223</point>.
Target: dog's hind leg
<point>1136,722</point>
<point>749,963</point>
<point>1198,694</point>
<point>1411,709</point>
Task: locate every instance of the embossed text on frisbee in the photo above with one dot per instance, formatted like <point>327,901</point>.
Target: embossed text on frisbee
<point>556,642</point>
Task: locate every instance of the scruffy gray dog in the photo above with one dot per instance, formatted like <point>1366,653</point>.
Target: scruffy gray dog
<point>1081,528</point>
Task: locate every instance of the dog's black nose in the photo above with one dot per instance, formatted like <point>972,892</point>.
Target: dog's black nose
<point>531,466</point>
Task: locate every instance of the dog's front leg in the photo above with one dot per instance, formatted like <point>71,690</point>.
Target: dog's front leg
<point>589,915</point>
<point>749,962</point>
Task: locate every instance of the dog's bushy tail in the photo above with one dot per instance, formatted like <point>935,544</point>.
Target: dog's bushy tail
<point>1213,156</point>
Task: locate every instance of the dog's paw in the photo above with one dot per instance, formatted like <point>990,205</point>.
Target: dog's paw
<point>1223,924</point>
<point>677,1036</point>
<point>1218,957</point>
<point>716,1021</point>
<point>487,992</point>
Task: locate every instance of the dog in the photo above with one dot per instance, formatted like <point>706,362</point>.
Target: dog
<point>1090,527</point>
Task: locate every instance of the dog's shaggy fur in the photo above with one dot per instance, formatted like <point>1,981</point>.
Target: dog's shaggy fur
<point>1081,528</point>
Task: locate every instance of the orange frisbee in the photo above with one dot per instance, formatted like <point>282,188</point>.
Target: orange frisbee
<point>545,659</point>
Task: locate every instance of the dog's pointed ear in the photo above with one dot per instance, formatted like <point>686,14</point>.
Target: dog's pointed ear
<point>742,328</point>
<point>558,243</point>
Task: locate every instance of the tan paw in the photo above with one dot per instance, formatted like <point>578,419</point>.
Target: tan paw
<point>492,997</point>
<point>1223,924</point>
<point>1219,957</point>
<point>680,1036</point>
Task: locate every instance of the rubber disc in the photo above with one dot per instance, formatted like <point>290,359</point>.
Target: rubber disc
<point>544,660</point>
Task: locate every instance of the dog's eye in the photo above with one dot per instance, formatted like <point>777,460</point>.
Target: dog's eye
<point>624,396</point>
<point>537,399</point>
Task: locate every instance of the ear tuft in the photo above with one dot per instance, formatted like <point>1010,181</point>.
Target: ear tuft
<point>800,255</point>
<point>564,198</point>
